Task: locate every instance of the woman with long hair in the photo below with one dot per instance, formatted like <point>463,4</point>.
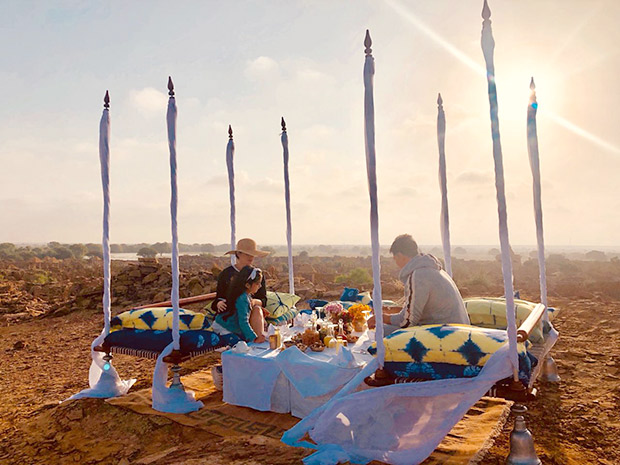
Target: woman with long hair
<point>240,317</point>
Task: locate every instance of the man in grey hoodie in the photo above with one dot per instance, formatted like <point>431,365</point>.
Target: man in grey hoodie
<point>431,297</point>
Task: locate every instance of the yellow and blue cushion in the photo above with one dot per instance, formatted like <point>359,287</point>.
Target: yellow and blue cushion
<point>281,307</point>
<point>146,332</point>
<point>158,318</point>
<point>446,351</point>
<point>490,312</point>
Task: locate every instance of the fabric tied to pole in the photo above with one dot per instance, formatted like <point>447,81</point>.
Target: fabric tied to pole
<point>399,424</point>
<point>532,147</point>
<point>443,186</point>
<point>287,199</point>
<point>230,159</point>
<point>103,378</point>
<point>371,168</point>
<point>171,120</point>
<point>488,46</point>
<point>173,399</point>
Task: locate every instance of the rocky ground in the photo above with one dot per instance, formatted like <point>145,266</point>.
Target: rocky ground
<point>50,311</point>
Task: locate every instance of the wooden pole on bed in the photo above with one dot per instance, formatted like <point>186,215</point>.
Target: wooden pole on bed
<point>171,119</point>
<point>287,201</point>
<point>488,46</point>
<point>443,185</point>
<point>532,149</point>
<point>104,158</point>
<point>371,168</point>
<point>230,164</point>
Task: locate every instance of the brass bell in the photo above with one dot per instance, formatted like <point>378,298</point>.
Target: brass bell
<point>550,371</point>
<point>522,450</point>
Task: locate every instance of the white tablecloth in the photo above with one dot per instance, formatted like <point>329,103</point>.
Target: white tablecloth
<point>289,381</point>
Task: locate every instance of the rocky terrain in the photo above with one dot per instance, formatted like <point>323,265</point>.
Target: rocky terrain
<point>50,311</point>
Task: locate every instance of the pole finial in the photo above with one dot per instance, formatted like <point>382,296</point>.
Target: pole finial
<point>532,85</point>
<point>367,43</point>
<point>170,87</point>
<point>486,11</point>
<point>283,123</point>
<point>439,99</point>
<point>106,100</point>
<point>230,136</point>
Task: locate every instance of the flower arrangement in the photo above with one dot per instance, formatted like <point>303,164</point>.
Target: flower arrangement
<point>334,311</point>
<point>359,311</point>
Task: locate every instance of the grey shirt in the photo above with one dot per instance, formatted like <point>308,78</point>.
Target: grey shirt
<point>431,297</point>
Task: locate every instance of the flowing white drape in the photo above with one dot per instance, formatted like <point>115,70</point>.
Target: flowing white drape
<point>371,168</point>
<point>488,46</point>
<point>287,200</point>
<point>532,148</point>
<point>230,164</point>
<point>443,186</point>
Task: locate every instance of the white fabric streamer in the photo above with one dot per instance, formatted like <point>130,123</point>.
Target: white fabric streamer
<point>371,167</point>
<point>230,159</point>
<point>443,186</point>
<point>287,198</point>
<point>399,424</point>
<point>532,147</point>
<point>171,119</point>
<point>488,45</point>
<point>173,399</point>
<point>103,378</point>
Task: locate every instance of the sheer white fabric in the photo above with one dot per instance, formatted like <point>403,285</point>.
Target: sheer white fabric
<point>171,399</point>
<point>399,424</point>
<point>103,383</point>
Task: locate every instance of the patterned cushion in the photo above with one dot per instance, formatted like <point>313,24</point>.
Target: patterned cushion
<point>140,340</point>
<point>490,312</point>
<point>445,351</point>
<point>349,294</point>
<point>159,318</point>
<point>279,303</point>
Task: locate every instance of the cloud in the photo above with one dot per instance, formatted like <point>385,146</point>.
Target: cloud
<point>149,100</point>
<point>474,178</point>
<point>262,68</point>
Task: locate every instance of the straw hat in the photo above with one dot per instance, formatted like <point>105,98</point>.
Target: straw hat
<point>248,246</point>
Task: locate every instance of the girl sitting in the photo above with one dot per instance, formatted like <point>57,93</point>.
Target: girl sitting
<point>240,318</point>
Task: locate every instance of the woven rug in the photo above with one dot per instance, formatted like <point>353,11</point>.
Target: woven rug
<point>464,445</point>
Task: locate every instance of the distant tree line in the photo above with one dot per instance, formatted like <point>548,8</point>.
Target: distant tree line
<point>9,251</point>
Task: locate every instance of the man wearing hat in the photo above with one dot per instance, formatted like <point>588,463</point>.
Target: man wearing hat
<point>245,252</point>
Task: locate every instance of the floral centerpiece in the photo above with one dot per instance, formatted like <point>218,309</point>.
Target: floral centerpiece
<point>356,315</point>
<point>359,314</point>
<point>334,311</point>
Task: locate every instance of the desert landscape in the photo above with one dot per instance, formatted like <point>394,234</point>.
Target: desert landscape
<point>50,311</point>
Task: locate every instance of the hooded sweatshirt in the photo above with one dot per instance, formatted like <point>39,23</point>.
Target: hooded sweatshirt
<point>431,297</point>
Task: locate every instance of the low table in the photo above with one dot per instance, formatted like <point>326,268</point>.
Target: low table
<point>286,381</point>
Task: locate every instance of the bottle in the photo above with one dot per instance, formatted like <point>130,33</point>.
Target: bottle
<point>278,338</point>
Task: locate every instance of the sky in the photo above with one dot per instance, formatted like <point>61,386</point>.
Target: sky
<point>248,63</point>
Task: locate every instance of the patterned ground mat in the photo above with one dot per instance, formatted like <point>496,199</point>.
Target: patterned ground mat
<point>464,445</point>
